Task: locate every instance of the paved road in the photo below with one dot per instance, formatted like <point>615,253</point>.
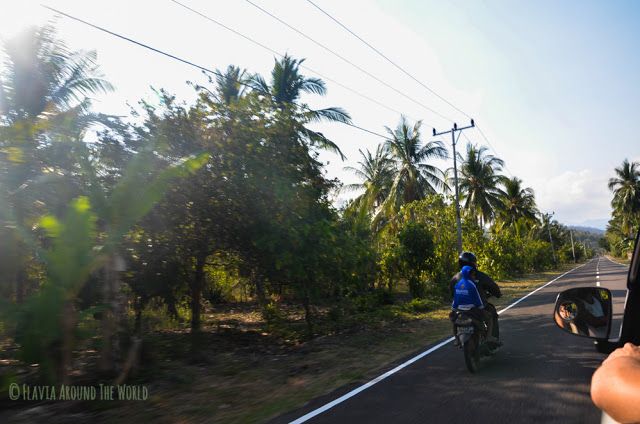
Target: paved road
<point>541,374</point>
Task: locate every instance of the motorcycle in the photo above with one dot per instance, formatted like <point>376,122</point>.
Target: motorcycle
<point>471,332</point>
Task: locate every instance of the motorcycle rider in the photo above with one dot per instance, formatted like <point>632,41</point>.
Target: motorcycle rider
<point>484,284</point>
<point>466,297</point>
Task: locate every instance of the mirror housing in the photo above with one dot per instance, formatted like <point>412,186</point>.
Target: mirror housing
<point>585,311</point>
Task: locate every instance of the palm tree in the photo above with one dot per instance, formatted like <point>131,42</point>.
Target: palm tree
<point>287,85</point>
<point>43,96</point>
<point>43,77</point>
<point>626,194</point>
<point>231,84</point>
<point>480,183</point>
<point>43,89</point>
<point>517,202</point>
<point>414,178</point>
<point>376,173</point>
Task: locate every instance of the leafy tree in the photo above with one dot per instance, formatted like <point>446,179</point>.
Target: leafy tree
<point>437,216</point>
<point>416,247</point>
<point>74,250</point>
<point>190,218</point>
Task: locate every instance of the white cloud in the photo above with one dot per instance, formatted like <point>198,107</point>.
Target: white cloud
<point>575,196</point>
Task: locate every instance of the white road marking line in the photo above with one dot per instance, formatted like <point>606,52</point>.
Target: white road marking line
<point>540,288</point>
<point>378,379</point>
<point>369,384</point>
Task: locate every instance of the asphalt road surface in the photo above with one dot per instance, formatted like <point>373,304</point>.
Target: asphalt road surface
<point>541,374</point>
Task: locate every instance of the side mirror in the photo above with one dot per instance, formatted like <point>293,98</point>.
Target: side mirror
<point>585,311</point>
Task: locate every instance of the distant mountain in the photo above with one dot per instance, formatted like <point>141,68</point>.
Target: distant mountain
<point>600,224</point>
<point>592,230</point>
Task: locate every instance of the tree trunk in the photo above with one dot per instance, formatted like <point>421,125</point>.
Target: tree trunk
<point>114,317</point>
<point>21,283</point>
<point>196,294</point>
<point>171,307</point>
<point>307,314</point>
<point>258,283</point>
<point>68,321</point>
<point>132,362</point>
<point>106,363</point>
<point>139,306</point>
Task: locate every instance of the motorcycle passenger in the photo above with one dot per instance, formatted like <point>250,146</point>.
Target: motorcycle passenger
<point>484,284</point>
<point>466,297</point>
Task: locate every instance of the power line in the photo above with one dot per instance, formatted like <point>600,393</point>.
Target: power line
<point>404,72</point>
<point>215,72</point>
<point>146,46</point>
<point>491,146</point>
<point>344,59</point>
<point>364,96</point>
<point>369,131</point>
<point>494,149</point>
<point>302,66</point>
<point>388,60</point>
<point>172,56</point>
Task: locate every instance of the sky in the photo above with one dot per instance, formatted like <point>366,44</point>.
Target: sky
<point>553,85</point>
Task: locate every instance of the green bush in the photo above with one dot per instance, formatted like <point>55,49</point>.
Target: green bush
<point>416,248</point>
<point>422,305</point>
<point>370,300</point>
<point>272,314</point>
<point>538,255</point>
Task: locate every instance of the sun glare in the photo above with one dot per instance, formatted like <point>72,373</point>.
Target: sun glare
<point>16,16</point>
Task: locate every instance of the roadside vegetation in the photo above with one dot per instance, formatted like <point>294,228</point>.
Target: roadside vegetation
<point>625,221</point>
<point>192,240</point>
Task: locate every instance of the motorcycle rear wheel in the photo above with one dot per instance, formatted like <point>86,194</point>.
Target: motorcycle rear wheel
<point>471,354</point>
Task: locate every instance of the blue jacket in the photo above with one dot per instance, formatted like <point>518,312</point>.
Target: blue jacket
<point>466,295</point>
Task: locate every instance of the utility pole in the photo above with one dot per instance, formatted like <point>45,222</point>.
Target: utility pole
<point>553,251</point>
<point>573,250</point>
<point>455,174</point>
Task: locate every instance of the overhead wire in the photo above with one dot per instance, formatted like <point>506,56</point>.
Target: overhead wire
<point>387,59</point>
<point>344,59</point>
<point>404,71</point>
<point>185,61</point>
<point>364,96</point>
<point>494,149</point>
<point>217,73</point>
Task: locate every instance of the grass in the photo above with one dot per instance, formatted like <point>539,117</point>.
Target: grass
<point>244,374</point>
<point>623,261</point>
